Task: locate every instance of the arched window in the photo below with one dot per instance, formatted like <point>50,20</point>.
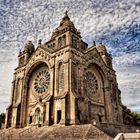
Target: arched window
<point>61,77</point>
<point>74,76</point>
<point>38,116</point>
<point>59,42</point>
<point>75,42</point>
<point>17,90</point>
<point>21,61</point>
<point>64,40</point>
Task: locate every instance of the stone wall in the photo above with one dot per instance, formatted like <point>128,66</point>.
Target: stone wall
<point>114,129</point>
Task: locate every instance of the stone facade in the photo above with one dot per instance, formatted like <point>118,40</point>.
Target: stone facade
<point>64,82</point>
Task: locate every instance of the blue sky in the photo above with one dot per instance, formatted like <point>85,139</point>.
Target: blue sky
<point>116,23</point>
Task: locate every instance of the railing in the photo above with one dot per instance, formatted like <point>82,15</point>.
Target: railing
<point>9,130</point>
<point>120,136</point>
<point>8,137</point>
<point>28,130</point>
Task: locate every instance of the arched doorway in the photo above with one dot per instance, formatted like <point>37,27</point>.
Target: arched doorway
<point>94,78</point>
<point>37,84</point>
<point>38,116</point>
<point>59,116</point>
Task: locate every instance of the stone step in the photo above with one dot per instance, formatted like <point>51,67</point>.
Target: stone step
<point>77,132</point>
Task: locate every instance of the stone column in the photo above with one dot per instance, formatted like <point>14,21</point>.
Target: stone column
<point>14,117</point>
<point>72,102</point>
<point>23,106</point>
<point>47,114</point>
<point>66,75</point>
<point>12,91</point>
<point>69,39</point>
<point>63,113</point>
<point>73,111</point>
<point>56,81</point>
<point>108,105</point>
<point>51,80</point>
<point>6,118</point>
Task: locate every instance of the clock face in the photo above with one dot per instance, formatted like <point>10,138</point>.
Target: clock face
<point>42,81</point>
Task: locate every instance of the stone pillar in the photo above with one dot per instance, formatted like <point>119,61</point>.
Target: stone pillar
<point>23,106</point>
<point>63,113</point>
<point>73,111</point>
<point>47,114</point>
<point>56,80</point>
<point>6,118</point>
<point>14,117</point>
<point>108,105</point>
<point>66,75</point>
<point>69,39</point>
<point>51,80</point>
<point>12,91</point>
<point>72,102</point>
<point>55,112</point>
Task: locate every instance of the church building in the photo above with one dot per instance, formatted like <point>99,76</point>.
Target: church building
<point>63,81</point>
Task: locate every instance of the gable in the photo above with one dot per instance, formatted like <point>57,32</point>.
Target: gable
<point>41,54</point>
<point>92,55</point>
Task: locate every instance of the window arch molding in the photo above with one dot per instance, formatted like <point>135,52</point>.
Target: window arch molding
<point>63,40</point>
<point>17,89</point>
<point>60,76</point>
<point>59,42</point>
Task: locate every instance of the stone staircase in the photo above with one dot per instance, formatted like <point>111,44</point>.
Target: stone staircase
<point>59,132</point>
<point>13,133</point>
<point>5,132</point>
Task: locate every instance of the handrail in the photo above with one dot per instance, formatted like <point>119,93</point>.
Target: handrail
<point>27,130</point>
<point>9,137</point>
<point>120,136</point>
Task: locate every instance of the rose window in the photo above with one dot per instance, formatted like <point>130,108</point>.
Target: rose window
<point>42,81</point>
<point>91,84</point>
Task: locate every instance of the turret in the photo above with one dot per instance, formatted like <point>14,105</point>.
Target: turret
<point>105,55</point>
<point>26,53</point>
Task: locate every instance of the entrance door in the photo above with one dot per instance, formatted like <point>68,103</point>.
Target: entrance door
<point>30,120</point>
<point>58,116</point>
<point>38,116</point>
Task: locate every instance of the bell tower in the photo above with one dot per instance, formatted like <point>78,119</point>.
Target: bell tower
<point>25,54</point>
<point>105,55</point>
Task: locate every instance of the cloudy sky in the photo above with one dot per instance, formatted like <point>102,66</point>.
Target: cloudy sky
<point>116,23</point>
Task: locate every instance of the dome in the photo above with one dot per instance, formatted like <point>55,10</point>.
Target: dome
<point>101,48</point>
<point>66,21</point>
<point>29,46</point>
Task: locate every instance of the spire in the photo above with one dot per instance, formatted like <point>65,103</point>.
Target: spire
<point>66,20</point>
<point>39,41</point>
<point>94,43</point>
<point>66,16</point>
<point>65,24</point>
<point>29,47</point>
